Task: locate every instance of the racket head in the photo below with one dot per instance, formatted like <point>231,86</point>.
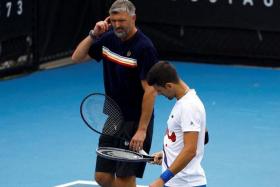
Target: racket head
<point>124,155</point>
<point>101,114</point>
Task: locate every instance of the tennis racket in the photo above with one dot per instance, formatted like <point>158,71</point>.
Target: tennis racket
<point>117,154</point>
<point>102,115</point>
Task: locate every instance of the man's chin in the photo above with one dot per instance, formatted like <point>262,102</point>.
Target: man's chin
<point>121,35</point>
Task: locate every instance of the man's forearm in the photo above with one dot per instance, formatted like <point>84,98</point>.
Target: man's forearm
<point>81,52</point>
<point>148,100</point>
<point>147,109</point>
<point>187,153</point>
<point>182,160</point>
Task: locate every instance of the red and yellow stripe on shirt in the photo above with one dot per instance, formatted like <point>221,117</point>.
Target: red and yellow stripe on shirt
<point>124,61</point>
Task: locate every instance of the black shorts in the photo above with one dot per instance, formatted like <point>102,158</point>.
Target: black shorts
<point>124,169</point>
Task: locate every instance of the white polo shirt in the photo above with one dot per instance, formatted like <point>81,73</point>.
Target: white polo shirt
<point>188,114</point>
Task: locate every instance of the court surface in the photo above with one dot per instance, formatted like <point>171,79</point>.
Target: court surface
<point>43,141</point>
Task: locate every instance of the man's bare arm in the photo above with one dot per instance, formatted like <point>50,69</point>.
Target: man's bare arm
<point>81,52</point>
<point>148,101</point>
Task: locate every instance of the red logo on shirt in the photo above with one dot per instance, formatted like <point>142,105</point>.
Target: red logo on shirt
<point>171,136</point>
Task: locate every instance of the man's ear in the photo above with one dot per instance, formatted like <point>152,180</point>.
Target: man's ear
<point>168,85</point>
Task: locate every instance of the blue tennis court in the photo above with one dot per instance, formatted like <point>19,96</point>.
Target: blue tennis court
<point>45,143</point>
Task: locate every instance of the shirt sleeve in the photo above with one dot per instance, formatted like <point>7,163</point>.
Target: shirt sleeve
<point>95,51</point>
<point>190,120</point>
<point>146,60</point>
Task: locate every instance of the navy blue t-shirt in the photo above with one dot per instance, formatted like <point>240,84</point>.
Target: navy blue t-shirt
<point>125,64</point>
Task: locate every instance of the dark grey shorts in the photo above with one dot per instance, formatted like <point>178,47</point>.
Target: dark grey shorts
<point>123,169</point>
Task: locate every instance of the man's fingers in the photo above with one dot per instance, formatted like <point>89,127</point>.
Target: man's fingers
<point>107,20</point>
<point>101,27</point>
<point>136,145</point>
<point>107,23</point>
<point>157,158</point>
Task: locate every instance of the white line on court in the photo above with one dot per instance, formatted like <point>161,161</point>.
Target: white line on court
<point>83,182</point>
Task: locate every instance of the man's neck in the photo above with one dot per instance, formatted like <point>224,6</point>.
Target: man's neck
<point>131,34</point>
<point>182,89</point>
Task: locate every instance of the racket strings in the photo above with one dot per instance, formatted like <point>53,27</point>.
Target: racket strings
<point>102,114</point>
<point>125,155</point>
<point>114,120</point>
<point>118,154</point>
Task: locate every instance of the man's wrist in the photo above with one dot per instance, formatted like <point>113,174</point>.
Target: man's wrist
<point>144,129</point>
<point>166,175</point>
<point>92,35</point>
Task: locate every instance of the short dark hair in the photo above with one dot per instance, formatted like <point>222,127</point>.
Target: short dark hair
<point>162,73</point>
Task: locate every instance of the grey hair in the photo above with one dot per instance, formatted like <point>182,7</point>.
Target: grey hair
<point>122,6</point>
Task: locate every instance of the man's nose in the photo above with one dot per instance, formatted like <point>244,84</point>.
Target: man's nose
<point>117,24</point>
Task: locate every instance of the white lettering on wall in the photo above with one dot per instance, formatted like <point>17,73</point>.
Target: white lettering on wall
<point>11,8</point>
<point>213,1</point>
<point>268,3</point>
<point>248,1</point>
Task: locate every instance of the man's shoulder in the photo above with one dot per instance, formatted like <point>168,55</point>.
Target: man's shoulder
<point>144,38</point>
